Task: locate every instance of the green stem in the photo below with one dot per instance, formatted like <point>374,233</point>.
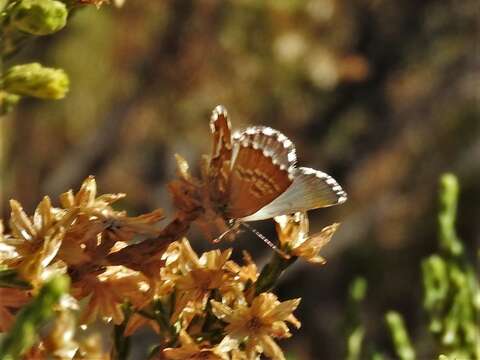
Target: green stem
<point>121,343</point>
<point>354,328</point>
<point>162,316</point>
<point>399,334</point>
<point>271,273</point>
<point>450,244</point>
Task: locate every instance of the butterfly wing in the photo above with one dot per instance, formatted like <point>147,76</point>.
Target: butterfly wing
<point>219,166</point>
<point>310,189</point>
<point>262,161</point>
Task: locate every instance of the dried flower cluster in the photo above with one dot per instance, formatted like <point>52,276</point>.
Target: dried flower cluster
<point>128,272</point>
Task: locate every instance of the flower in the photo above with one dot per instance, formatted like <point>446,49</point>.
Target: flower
<point>37,241</point>
<point>109,290</point>
<point>7,246</point>
<point>190,194</point>
<point>247,272</point>
<point>190,350</point>
<point>98,229</point>
<point>196,281</point>
<point>256,325</point>
<point>293,234</point>
<point>203,306</point>
<point>94,237</point>
<point>86,199</point>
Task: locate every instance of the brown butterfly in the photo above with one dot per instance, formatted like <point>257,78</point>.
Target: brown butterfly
<point>252,174</point>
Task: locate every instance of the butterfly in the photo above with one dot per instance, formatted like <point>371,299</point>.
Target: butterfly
<point>253,175</point>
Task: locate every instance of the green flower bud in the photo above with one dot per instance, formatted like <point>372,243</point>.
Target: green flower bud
<point>37,81</point>
<point>39,17</point>
<point>7,103</point>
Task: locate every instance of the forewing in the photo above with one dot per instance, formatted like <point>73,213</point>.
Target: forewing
<point>310,189</point>
<point>219,167</point>
<point>262,161</point>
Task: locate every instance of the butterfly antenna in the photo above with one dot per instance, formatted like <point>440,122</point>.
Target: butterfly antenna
<point>266,241</point>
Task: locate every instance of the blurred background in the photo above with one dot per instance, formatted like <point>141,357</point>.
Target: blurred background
<point>382,95</point>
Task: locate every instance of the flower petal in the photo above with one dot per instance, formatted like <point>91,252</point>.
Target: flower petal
<point>221,311</point>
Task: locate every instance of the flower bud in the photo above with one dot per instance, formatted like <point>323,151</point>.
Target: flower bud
<point>39,17</point>
<point>7,102</point>
<point>37,81</point>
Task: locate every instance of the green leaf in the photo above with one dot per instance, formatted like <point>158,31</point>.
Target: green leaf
<point>23,334</point>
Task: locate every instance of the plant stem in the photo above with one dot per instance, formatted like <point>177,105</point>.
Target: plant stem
<point>450,244</point>
<point>271,272</point>
<point>399,334</point>
<point>354,327</point>
<point>121,343</point>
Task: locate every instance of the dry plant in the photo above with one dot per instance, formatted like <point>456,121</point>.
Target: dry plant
<point>130,272</point>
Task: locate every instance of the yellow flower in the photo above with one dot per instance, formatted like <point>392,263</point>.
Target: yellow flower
<point>8,244</point>
<point>197,281</point>
<point>247,272</point>
<point>190,350</point>
<point>256,325</point>
<point>109,290</point>
<point>180,257</point>
<point>100,234</point>
<point>37,241</point>
<point>87,199</point>
<point>293,234</point>
<point>93,237</point>
<point>99,230</point>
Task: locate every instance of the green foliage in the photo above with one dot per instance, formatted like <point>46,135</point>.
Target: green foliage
<point>24,332</point>
<point>450,285</point>
<point>451,295</point>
